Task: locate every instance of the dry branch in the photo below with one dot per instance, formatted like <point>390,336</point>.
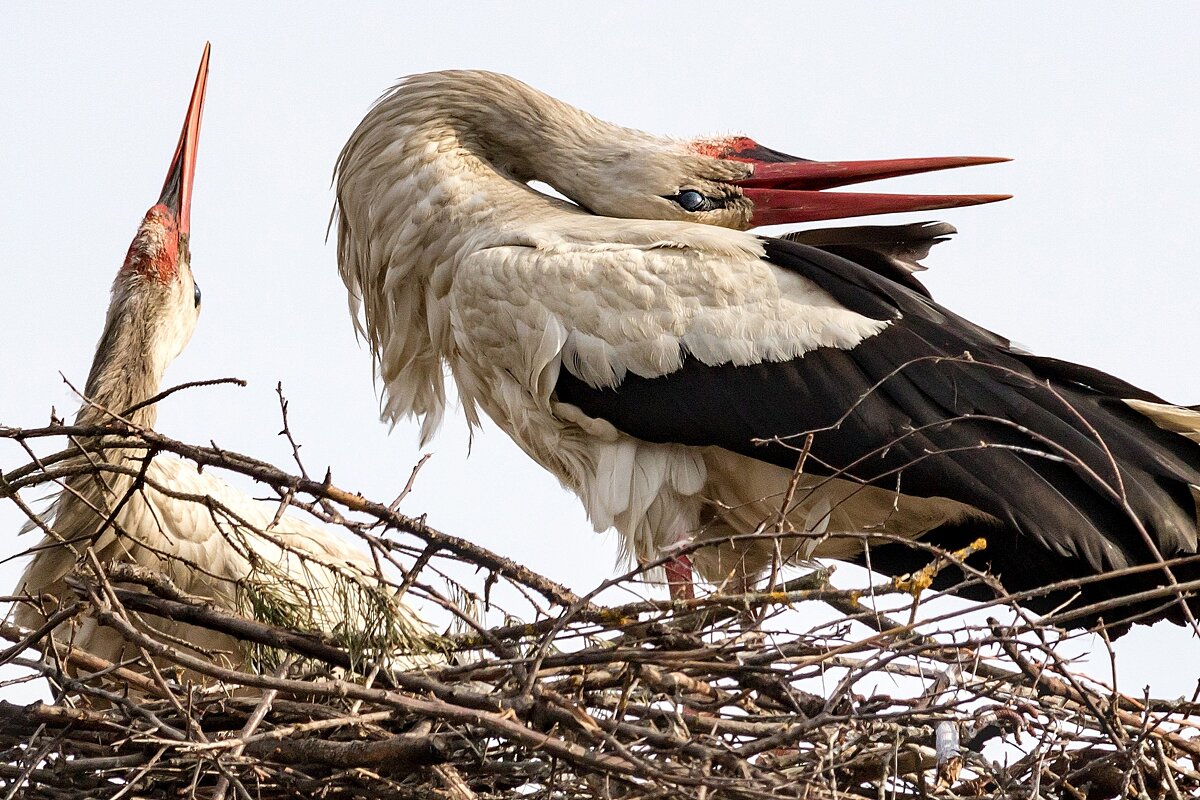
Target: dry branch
<point>550,694</point>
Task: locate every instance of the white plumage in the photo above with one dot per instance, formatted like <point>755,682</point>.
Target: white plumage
<point>212,542</point>
<point>208,537</point>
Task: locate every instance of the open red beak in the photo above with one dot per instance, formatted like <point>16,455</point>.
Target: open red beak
<point>786,189</point>
<point>177,189</point>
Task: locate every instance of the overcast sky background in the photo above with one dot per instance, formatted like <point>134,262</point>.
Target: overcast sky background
<point>1094,260</point>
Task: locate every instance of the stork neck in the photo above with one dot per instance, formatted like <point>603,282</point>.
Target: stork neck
<point>492,136</point>
<point>534,139</point>
<point>128,366</point>
<point>127,370</point>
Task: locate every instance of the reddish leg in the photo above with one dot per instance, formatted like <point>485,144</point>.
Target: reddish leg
<point>679,578</point>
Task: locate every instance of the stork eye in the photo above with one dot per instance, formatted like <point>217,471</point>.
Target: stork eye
<point>196,287</point>
<point>691,200</point>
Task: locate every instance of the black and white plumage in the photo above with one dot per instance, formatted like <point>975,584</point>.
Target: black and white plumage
<point>934,406</point>
<point>642,347</point>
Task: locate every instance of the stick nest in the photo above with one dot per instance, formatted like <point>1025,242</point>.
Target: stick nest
<point>527,689</point>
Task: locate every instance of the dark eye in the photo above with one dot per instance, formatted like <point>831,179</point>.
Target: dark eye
<point>690,200</point>
<point>197,292</point>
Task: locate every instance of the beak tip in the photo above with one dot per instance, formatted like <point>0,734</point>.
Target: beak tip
<point>795,191</point>
<point>177,190</point>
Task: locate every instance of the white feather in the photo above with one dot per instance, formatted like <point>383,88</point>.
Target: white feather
<point>532,285</point>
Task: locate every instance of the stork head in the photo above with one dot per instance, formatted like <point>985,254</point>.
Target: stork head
<point>737,183</point>
<point>155,285</point>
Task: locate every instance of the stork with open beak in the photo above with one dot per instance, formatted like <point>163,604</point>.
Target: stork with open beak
<point>225,547</point>
<point>675,371</point>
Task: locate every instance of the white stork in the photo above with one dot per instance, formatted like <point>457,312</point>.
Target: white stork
<point>668,366</point>
<point>221,544</point>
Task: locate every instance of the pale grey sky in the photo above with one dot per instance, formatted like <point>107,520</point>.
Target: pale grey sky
<point>1092,261</point>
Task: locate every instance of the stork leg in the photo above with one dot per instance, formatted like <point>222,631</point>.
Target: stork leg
<point>679,578</point>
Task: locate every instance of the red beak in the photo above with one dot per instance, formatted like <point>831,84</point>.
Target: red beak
<point>786,189</point>
<point>177,189</point>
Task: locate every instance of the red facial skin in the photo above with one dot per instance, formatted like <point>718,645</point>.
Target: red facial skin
<point>725,148</point>
<point>154,252</point>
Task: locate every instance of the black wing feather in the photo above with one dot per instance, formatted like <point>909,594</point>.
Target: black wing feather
<point>939,407</point>
<point>894,251</point>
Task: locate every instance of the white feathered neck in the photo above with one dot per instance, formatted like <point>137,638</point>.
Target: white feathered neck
<point>439,169</point>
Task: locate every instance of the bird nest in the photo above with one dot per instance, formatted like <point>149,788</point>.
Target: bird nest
<point>811,689</point>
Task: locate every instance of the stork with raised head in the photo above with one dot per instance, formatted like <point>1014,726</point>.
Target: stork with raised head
<point>211,539</point>
<point>674,370</point>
